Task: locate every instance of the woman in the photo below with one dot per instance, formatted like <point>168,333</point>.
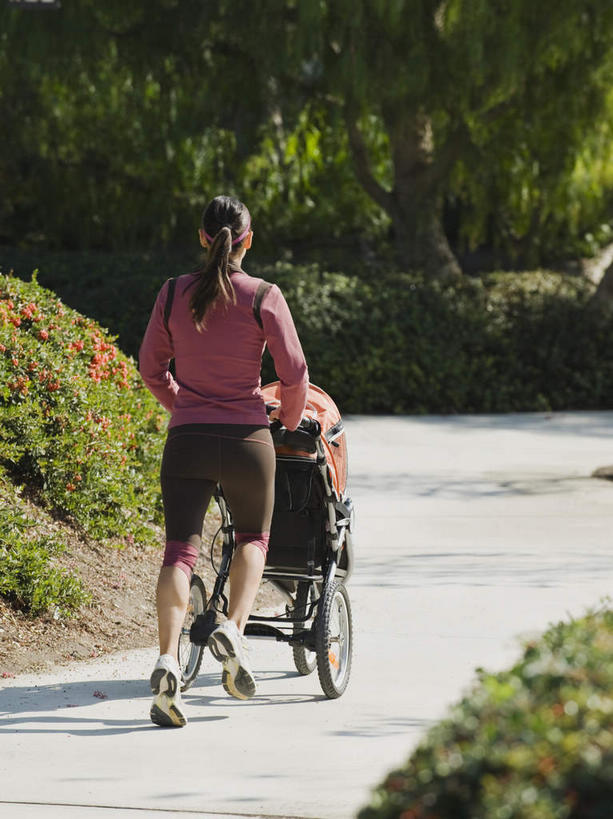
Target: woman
<point>218,432</point>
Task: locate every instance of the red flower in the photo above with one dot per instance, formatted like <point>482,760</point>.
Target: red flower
<point>43,335</point>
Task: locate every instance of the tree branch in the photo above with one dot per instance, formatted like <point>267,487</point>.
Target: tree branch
<point>361,160</point>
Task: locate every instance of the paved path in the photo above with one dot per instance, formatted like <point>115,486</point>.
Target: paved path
<point>471,531</point>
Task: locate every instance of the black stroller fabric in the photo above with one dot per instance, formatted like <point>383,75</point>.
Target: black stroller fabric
<point>298,529</point>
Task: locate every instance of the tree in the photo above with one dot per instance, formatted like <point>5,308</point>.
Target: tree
<point>443,105</point>
<point>457,81</point>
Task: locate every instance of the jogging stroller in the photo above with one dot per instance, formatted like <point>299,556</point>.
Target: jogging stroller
<point>310,555</point>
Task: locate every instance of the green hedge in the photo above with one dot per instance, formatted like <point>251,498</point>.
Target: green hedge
<point>387,342</point>
<point>534,742</point>
<point>507,342</point>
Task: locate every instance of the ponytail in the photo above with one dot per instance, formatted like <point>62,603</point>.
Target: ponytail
<point>214,282</point>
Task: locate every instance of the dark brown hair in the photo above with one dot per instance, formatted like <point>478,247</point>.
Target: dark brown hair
<point>225,222</point>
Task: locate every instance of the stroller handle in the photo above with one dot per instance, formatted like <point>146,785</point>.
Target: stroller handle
<point>309,425</point>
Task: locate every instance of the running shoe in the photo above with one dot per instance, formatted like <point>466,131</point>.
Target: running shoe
<point>229,646</point>
<point>167,707</point>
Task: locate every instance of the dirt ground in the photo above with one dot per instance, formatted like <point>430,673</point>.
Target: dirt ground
<point>120,617</point>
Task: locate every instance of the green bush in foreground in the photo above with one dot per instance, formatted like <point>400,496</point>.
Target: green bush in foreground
<point>29,578</point>
<point>534,742</point>
<point>77,426</point>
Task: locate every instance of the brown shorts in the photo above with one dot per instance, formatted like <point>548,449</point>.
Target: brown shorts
<point>199,456</point>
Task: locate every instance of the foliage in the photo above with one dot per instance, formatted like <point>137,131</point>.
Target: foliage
<point>385,341</point>
<point>29,577</point>
<point>480,106</point>
<point>78,427</point>
<point>396,343</point>
<point>117,139</point>
<point>90,281</point>
<point>533,742</point>
<point>340,119</point>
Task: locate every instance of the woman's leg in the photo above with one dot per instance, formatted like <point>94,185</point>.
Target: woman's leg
<point>245,577</point>
<point>248,472</point>
<point>185,503</point>
<point>172,597</point>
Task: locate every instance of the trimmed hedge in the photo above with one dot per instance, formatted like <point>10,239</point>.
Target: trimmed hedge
<point>534,742</point>
<point>390,342</point>
<point>507,342</point>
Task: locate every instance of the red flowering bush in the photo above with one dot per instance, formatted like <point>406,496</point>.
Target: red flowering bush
<point>77,426</point>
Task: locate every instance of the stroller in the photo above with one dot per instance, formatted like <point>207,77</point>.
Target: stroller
<point>310,555</point>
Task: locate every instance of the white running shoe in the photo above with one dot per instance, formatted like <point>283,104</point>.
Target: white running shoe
<point>229,646</point>
<point>167,707</point>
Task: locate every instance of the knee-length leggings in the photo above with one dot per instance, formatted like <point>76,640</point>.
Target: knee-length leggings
<point>196,458</point>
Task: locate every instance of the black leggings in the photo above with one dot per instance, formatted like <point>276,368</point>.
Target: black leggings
<point>199,456</point>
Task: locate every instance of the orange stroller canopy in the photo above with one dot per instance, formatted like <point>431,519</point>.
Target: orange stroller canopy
<point>323,409</point>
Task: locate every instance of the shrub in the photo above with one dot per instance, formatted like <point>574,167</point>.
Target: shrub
<point>391,342</point>
<point>534,742</point>
<point>29,578</point>
<point>398,344</point>
<point>78,428</point>
<point>115,289</point>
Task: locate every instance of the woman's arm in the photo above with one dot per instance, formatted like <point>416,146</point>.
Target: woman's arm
<point>155,354</point>
<point>286,351</point>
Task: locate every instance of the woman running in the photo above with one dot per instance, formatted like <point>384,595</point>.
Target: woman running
<point>218,433</point>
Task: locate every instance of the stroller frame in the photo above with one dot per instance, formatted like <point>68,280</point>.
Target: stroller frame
<point>317,621</point>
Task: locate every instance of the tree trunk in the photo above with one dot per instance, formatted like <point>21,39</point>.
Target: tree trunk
<point>414,203</point>
<point>603,297</point>
<point>420,240</point>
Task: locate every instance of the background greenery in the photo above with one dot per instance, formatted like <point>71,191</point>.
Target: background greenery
<point>381,341</point>
<point>432,128</point>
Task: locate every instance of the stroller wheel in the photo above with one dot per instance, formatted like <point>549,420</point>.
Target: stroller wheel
<point>334,639</point>
<point>304,660</point>
<point>190,655</point>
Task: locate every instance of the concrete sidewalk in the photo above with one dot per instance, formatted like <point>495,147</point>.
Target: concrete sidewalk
<point>471,531</point>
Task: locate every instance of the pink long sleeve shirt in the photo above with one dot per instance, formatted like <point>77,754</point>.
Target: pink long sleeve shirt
<point>217,371</point>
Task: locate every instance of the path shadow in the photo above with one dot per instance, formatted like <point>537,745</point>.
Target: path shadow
<point>53,697</point>
<point>99,727</point>
<point>377,726</point>
<point>596,424</point>
<point>535,569</point>
<point>205,681</point>
<point>49,708</point>
<point>415,485</point>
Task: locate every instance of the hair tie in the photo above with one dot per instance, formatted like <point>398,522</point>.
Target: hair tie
<point>211,239</point>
